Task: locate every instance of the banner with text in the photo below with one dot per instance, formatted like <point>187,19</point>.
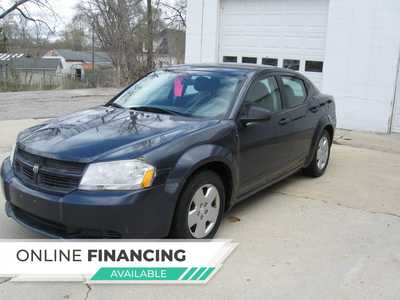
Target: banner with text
<point>124,261</point>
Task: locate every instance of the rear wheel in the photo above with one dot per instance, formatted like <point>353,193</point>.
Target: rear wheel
<point>321,156</point>
<point>200,208</point>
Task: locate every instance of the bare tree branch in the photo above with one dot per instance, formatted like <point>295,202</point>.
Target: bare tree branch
<point>12,8</point>
<point>119,27</point>
<point>34,20</point>
<point>178,14</point>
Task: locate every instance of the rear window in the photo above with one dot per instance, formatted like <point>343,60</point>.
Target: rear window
<point>295,91</point>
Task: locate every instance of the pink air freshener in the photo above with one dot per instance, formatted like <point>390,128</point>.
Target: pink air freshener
<point>178,86</point>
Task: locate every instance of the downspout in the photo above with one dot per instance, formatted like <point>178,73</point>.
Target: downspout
<point>202,31</point>
<point>395,98</point>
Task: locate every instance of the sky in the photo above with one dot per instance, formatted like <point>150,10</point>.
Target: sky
<point>65,9</point>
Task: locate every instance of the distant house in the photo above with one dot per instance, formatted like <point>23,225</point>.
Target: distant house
<point>76,63</point>
<point>168,47</point>
<point>9,56</point>
<point>30,70</point>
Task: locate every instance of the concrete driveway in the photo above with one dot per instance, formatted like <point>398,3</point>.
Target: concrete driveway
<point>48,104</point>
<point>336,237</point>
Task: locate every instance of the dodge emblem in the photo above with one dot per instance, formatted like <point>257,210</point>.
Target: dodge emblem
<point>35,169</point>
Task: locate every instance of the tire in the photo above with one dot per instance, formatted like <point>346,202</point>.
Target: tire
<point>200,208</point>
<point>320,160</point>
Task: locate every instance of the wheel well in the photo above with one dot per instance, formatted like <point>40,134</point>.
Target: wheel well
<point>330,130</point>
<point>224,172</point>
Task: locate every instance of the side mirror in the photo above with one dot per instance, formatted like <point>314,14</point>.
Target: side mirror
<point>256,114</point>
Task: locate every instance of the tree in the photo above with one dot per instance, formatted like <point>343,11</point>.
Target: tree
<point>22,36</point>
<point>175,14</point>
<point>20,7</point>
<point>117,25</point>
<point>15,6</point>
<point>150,36</point>
<point>75,35</point>
<point>127,29</point>
<point>3,41</point>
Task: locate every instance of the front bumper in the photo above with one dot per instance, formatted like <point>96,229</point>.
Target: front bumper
<point>89,214</point>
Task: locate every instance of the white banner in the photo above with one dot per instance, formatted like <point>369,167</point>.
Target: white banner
<point>121,261</point>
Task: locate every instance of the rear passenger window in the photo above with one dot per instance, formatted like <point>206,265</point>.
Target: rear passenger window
<point>295,91</point>
<point>265,93</point>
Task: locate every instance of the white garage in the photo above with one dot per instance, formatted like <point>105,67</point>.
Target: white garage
<point>288,33</point>
<point>348,48</point>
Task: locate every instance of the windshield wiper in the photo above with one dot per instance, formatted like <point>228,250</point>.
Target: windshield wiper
<point>116,105</point>
<point>157,109</point>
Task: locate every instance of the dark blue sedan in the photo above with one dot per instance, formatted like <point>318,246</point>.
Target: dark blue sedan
<point>170,154</point>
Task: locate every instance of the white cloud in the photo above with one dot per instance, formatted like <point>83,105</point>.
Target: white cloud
<point>64,8</point>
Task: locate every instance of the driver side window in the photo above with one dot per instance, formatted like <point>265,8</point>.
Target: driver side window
<point>264,93</point>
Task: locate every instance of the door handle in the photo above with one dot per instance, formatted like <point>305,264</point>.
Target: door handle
<point>284,121</point>
<point>314,109</point>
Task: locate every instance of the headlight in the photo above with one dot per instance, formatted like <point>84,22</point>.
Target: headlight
<point>12,154</point>
<point>118,175</point>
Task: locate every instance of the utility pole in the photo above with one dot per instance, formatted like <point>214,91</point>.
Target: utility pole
<point>93,48</point>
<point>149,36</point>
<point>93,74</point>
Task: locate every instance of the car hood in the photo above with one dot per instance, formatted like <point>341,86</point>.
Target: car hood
<point>104,132</point>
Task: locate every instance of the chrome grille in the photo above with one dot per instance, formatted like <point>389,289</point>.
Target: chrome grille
<point>53,175</point>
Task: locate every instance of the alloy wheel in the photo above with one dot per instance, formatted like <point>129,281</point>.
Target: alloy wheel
<point>322,152</point>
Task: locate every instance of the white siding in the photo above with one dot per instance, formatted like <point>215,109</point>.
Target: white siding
<point>202,31</point>
<point>361,61</point>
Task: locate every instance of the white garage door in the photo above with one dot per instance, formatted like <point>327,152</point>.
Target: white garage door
<point>286,33</point>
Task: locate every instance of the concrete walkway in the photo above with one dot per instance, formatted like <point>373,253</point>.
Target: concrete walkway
<point>374,141</point>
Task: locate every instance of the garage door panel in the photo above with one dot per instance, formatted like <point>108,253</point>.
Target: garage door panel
<point>282,29</point>
<point>293,42</point>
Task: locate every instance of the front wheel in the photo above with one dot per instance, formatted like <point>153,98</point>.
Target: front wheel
<point>321,156</point>
<point>200,208</point>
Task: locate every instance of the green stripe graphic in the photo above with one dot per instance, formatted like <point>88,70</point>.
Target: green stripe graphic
<point>198,273</point>
<point>206,274</point>
<point>152,274</point>
<point>188,274</point>
<point>138,274</point>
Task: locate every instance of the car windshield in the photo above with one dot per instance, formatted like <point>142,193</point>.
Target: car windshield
<point>191,93</point>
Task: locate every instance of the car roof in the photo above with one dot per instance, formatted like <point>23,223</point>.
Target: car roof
<point>240,68</point>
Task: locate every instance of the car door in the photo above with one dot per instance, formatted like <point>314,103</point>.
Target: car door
<point>264,146</point>
<point>296,96</point>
